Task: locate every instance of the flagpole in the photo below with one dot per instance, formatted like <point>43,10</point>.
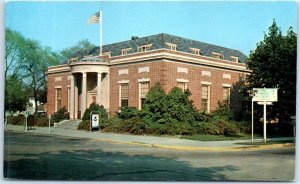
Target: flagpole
<point>100,21</point>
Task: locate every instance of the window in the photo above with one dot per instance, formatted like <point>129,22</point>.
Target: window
<point>226,95</point>
<point>94,97</point>
<point>217,55</point>
<point>144,48</point>
<point>235,59</point>
<point>58,98</point>
<point>206,73</point>
<point>144,88</point>
<point>107,53</point>
<point>172,46</point>
<point>195,51</point>
<point>125,51</point>
<point>205,95</point>
<point>69,98</point>
<point>124,95</point>
<point>182,85</point>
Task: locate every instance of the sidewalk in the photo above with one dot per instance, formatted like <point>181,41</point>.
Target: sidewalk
<point>150,141</point>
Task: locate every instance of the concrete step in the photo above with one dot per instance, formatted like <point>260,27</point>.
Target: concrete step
<point>68,124</point>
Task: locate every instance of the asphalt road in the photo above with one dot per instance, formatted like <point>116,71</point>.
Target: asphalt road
<point>38,157</point>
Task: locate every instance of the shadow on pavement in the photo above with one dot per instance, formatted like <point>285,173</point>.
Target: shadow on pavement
<point>107,166</point>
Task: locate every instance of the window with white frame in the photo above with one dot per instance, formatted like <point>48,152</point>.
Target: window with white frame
<point>107,53</point>
<point>172,46</point>
<point>182,85</point>
<point>217,55</point>
<point>58,99</point>
<point>234,58</point>
<point>125,51</point>
<point>144,88</point>
<point>144,48</point>
<point>124,90</point>
<point>226,95</point>
<point>195,51</point>
<point>205,97</point>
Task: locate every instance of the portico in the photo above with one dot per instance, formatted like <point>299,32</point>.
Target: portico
<point>89,83</point>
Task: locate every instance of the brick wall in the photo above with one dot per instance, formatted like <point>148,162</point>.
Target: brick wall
<point>161,70</point>
<point>167,73</point>
<point>57,80</point>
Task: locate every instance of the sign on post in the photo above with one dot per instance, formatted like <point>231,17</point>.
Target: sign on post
<point>265,94</point>
<point>95,120</point>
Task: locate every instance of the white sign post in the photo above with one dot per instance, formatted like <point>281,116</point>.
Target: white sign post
<point>95,119</point>
<point>265,96</point>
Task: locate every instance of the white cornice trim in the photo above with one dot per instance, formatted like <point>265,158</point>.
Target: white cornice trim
<point>58,70</point>
<point>188,59</point>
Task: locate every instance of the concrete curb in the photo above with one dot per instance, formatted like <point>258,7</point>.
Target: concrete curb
<point>189,148</point>
<point>182,148</point>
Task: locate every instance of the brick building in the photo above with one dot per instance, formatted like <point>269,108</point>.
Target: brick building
<point>125,72</point>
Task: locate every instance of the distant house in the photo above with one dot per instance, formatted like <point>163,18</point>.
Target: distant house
<point>124,73</point>
<point>40,106</point>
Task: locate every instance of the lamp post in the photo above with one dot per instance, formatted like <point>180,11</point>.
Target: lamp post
<point>252,94</point>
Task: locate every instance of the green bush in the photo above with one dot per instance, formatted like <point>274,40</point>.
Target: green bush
<point>16,120</point>
<point>95,107</point>
<point>43,121</point>
<point>173,114</point>
<point>84,125</point>
<point>60,115</point>
<point>128,113</point>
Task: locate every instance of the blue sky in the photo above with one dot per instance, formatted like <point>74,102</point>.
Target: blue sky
<point>237,24</point>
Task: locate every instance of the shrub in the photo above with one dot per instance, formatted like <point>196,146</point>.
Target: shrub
<point>95,107</point>
<point>16,120</point>
<point>43,121</point>
<point>84,125</point>
<point>60,115</point>
<point>128,113</point>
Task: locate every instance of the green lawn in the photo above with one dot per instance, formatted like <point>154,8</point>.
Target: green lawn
<point>267,143</point>
<point>219,137</point>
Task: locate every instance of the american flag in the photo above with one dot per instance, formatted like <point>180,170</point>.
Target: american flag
<point>94,18</point>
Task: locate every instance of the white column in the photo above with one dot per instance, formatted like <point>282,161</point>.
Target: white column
<point>99,84</point>
<point>72,100</point>
<point>83,94</point>
<point>76,100</point>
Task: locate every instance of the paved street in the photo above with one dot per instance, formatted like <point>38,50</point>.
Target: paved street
<point>42,157</point>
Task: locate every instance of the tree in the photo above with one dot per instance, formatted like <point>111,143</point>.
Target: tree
<point>273,65</point>
<point>26,60</point>
<point>37,60</point>
<point>15,94</point>
<point>81,49</point>
<point>14,47</point>
<point>156,103</point>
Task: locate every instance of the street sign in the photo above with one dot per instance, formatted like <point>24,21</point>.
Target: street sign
<point>265,94</point>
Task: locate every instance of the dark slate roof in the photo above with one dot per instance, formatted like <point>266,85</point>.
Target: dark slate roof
<point>158,42</point>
